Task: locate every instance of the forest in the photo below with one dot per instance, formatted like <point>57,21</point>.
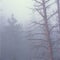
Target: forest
<point>39,40</point>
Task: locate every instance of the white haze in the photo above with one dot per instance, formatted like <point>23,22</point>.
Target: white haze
<point>20,9</point>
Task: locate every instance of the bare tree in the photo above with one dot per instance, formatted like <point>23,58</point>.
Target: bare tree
<point>41,8</point>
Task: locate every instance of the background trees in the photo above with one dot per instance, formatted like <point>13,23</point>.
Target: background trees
<point>11,40</point>
<point>42,37</point>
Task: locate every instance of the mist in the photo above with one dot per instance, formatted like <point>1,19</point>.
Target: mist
<point>20,9</point>
<point>29,29</point>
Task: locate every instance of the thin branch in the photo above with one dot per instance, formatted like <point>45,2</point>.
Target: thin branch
<point>53,27</point>
<point>37,23</point>
<point>38,7</point>
<point>35,34</point>
<point>40,12</point>
<point>51,15</point>
<point>39,46</point>
<point>50,5</point>
<point>37,39</point>
<point>39,33</point>
<point>38,1</point>
<point>47,1</point>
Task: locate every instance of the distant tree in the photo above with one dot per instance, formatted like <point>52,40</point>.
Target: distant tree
<point>11,39</point>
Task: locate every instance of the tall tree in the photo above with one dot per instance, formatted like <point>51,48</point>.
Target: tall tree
<point>42,8</point>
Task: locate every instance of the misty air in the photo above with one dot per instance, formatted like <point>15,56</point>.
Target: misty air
<point>29,29</point>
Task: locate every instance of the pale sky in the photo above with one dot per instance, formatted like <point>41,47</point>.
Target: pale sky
<point>20,8</point>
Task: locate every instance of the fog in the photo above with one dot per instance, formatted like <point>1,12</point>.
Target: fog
<point>20,9</point>
<point>29,29</point>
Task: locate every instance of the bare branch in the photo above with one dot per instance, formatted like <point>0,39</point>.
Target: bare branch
<point>51,15</point>
<point>38,1</point>
<point>37,39</point>
<point>39,46</point>
<point>39,33</point>
<point>36,34</point>
<point>47,1</point>
<point>53,27</point>
<point>50,5</point>
<point>38,7</point>
<point>40,12</point>
<point>32,9</point>
<point>35,22</point>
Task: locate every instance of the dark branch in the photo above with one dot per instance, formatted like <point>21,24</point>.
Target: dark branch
<point>38,7</point>
<point>39,33</point>
<point>53,27</point>
<point>38,1</point>
<point>50,5</point>
<point>51,15</point>
<point>39,46</point>
<point>40,12</point>
<point>37,23</point>
<point>37,39</point>
<point>47,1</point>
